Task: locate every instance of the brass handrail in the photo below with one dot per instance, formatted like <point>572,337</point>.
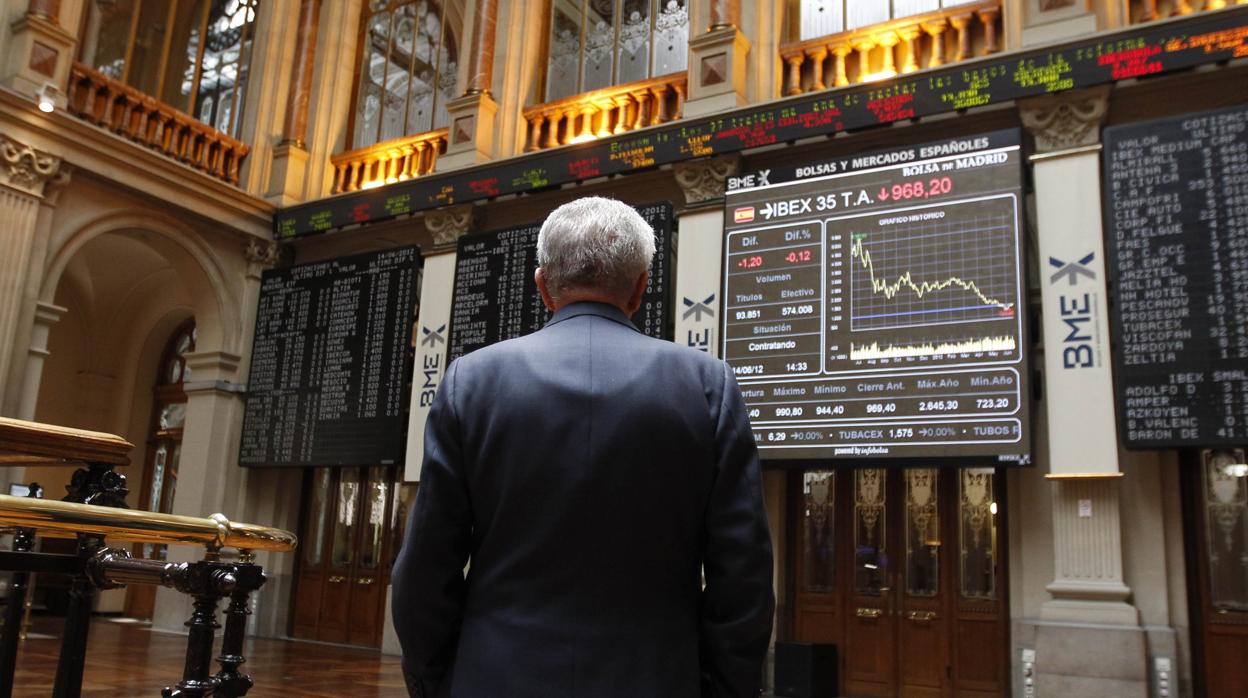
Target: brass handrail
<point>213,533</point>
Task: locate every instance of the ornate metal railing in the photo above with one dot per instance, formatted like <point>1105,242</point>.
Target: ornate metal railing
<point>96,566</point>
<point>606,112</point>
<point>883,50</point>
<point>115,106</point>
<point>388,162</point>
<point>1149,10</point>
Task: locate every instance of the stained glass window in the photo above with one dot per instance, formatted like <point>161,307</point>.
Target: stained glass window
<point>922,533</point>
<point>818,529</point>
<point>409,56</point>
<point>599,43</point>
<point>1226,528</point>
<point>977,533</point>
<point>193,55</point>
<point>870,554</point>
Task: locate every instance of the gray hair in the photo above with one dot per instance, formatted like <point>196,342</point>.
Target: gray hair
<point>594,243</point>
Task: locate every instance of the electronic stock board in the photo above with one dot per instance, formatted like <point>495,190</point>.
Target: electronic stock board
<point>327,384</point>
<point>874,304</point>
<point>496,297</point>
<point>1152,49</point>
<point>1176,220</point>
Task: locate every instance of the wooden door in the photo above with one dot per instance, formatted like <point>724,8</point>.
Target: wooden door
<point>318,509</point>
<point>1221,525</point>
<point>350,518</point>
<point>899,568</point>
<point>870,543</point>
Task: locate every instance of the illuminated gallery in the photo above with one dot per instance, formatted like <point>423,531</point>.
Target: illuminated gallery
<point>979,267</point>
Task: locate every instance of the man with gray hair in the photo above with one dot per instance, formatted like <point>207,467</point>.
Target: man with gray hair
<point>603,488</point>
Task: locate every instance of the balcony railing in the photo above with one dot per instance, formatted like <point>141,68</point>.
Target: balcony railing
<point>606,112</point>
<point>146,120</point>
<point>901,46</point>
<point>388,162</point>
<point>1149,10</point>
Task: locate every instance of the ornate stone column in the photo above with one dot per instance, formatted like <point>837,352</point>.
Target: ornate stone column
<point>717,61</point>
<point>46,315</point>
<point>1088,639</point>
<point>290,157</point>
<point>429,338</point>
<point>472,114</point>
<point>295,127</point>
<point>699,255</point>
<point>40,50</point>
<point>27,177</point>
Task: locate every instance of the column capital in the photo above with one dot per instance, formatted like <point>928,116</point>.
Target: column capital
<point>1068,121</point>
<point>449,223</point>
<point>28,170</point>
<point>705,181</point>
<point>264,253</point>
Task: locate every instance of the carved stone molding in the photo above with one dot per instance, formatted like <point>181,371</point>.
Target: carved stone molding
<point>265,253</point>
<point>1068,120</point>
<point>704,181</point>
<point>449,223</point>
<point>26,169</point>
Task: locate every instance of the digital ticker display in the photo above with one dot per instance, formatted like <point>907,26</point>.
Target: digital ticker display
<point>1136,52</point>
<point>874,304</point>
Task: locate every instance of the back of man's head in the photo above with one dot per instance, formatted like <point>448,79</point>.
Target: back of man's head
<point>594,244</point>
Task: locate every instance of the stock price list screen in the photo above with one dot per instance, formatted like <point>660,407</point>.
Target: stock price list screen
<point>328,367</point>
<point>874,306</point>
<point>1177,225</point>
<point>496,298</point>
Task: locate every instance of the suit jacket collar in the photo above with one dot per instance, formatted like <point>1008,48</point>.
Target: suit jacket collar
<point>602,310</point>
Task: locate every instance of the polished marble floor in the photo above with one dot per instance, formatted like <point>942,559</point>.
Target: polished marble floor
<point>127,660</point>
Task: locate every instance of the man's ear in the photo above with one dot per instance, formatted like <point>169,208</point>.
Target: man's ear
<point>539,277</point>
<point>639,290</point>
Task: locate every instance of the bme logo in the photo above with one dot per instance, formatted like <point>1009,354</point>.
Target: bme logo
<point>1078,313</point>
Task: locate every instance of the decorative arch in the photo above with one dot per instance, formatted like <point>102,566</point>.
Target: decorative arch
<point>219,320</point>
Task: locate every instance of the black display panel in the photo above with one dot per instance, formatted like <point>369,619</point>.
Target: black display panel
<point>874,304</point>
<point>496,298</point>
<point>328,383</point>
<point>1177,227</point>
<point>1136,52</point>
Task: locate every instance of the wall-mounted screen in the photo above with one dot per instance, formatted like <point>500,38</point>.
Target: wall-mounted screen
<point>874,304</point>
<point>1176,222</point>
<point>328,379</point>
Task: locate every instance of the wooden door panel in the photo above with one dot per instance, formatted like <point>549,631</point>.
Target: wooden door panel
<point>1226,651</point>
<point>366,599</point>
<point>975,668</point>
<point>922,649</point>
<point>818,624</point>
<point>307,605</point>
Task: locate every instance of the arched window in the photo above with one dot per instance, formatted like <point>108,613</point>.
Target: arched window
<point>190,54</point>
<point>409,52</point>
<point>599,43</point>
<point>824,17</point>
<point>169,416</point>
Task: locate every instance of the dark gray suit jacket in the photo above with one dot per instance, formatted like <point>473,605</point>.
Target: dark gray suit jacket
<point>591,474</point>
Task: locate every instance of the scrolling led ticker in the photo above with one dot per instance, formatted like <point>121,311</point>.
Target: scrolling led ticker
<point>1137,52</point>
<point>873,304</point>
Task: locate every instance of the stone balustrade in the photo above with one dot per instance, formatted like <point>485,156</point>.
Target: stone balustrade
<point>1149,10</point>
<point>606,112</point>
<point>883,50</point>
<point>117,107</point>
<point>388,162</point>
